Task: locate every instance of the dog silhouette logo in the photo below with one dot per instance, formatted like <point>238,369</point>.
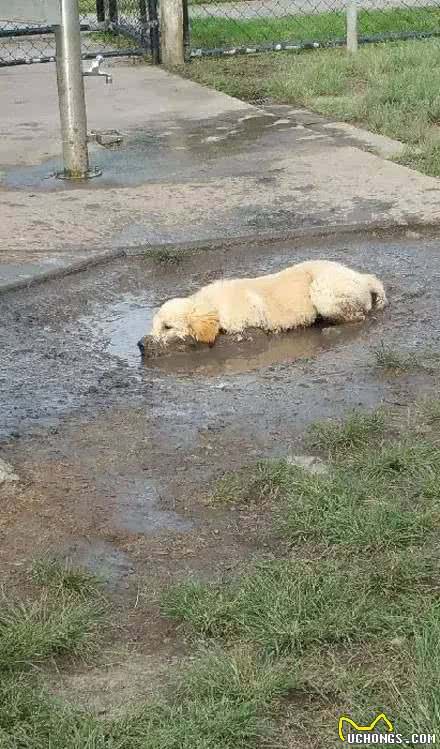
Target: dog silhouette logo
<point>380,720</point>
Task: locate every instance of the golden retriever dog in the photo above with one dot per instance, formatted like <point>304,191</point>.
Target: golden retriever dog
<point>293,298</point>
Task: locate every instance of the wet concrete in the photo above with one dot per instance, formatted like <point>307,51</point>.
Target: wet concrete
<point>181,150</point>
<point>118,451</point>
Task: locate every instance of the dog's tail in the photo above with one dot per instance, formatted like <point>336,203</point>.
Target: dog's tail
<point>377,290</point>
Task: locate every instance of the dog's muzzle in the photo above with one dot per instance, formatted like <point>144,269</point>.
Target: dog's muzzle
<point>141,346</point>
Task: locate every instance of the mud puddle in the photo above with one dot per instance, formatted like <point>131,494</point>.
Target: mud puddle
<point>229,356</point>
<point>113,451</point>
<point>138,510</point>
<point>117,459</point>
<point>101,558</point>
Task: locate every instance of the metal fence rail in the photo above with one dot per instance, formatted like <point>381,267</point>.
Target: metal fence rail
<point>108,27</point>
<point>246,26</point>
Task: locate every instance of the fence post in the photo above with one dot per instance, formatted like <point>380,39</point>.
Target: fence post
<point>172,32</point>
<point>113,11</point>
<point>186,31</point>
<point>100,11</point>
<point>71,96</point>
<point>153,23</point>
<point>352,29</point>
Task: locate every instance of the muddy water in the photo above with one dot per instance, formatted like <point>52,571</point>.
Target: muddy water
<point>113,450</point>
<point>124,324</point>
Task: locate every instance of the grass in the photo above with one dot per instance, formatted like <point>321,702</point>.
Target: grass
<point>398,362</point>
<point>356,429</point>
<point>62,576</point>
<point>390,89</point>
<point>64,619</point>
<point>113,40</point>
<point>386,496</point>
<point>348,620</point>
<point>222,700</point>
<point>355,609</point>
<point>289,606</point>
<point>168,256</point>
<point>212,32</point>
<point>225,700</point>
<point>87,6</point>
<point>264,482</point>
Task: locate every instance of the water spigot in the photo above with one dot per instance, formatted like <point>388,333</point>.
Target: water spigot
<point>95,69</point>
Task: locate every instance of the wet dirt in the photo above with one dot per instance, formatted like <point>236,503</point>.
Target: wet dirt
<point>116,455</point>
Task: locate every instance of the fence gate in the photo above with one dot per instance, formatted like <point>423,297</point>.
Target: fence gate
<point>112,28</point>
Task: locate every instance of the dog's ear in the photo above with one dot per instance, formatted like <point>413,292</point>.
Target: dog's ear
<point>204,324</point>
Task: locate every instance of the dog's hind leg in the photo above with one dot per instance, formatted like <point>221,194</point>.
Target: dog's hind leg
<point>340,303</point>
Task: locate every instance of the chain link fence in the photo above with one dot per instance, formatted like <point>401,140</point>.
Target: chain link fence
<point>246,26</point>
<point>108,27</point>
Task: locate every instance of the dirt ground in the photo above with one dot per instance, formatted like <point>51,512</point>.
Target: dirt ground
<point>116,457</point>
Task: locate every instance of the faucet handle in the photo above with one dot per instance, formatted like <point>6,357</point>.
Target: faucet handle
<point>96,63</point>
<point>95,69</point>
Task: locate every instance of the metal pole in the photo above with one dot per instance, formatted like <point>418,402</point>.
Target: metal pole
<point>71,93</point>
<point>352,30</point>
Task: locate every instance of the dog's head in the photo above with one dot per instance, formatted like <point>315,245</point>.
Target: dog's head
<point>184,318</point>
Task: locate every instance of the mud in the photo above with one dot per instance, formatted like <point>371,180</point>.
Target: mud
<point>237,354</point>
<point>117,455</point>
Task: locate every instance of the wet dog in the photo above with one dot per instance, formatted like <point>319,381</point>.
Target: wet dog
<point>293,298</point>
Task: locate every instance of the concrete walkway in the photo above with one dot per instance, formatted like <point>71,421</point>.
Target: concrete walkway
<point>194,166</point>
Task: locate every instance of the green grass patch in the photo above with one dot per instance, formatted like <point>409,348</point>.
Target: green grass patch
<point>87,7</point>
<point>112,40</point>
<point>214,32</point>
<point>224,700</point>
<point>288,606</point>
<point>31,719</point>
<point>31,632</point>
<point>62,576</point>
<point>399,362</point>
<point>392,88</point>
<point>376,498</point>
<point>266,481</point>
<point>354,431</point>
<point>400,678</point>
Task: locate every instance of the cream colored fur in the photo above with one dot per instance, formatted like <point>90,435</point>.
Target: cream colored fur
<point>293,298</point>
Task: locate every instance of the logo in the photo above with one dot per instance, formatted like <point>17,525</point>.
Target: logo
<point>380,731</point>
<point>346,720</point>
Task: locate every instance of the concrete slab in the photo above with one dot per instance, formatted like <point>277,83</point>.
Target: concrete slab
<point>193,166</point>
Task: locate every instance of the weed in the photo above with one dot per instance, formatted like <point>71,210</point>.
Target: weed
<point>355,431</point>
<point>62,576</point>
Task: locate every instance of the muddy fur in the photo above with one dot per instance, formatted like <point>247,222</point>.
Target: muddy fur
<point>154,349</point>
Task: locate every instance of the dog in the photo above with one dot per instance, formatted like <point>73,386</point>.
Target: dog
<point>293,298</point>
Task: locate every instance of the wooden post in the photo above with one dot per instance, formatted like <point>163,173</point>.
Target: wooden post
<point>352,30</point>
<point>171,32</point>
